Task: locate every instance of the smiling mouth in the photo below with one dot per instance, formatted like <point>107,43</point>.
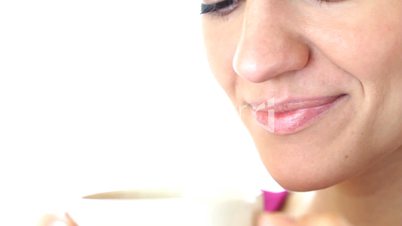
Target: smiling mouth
<point>292,115</point>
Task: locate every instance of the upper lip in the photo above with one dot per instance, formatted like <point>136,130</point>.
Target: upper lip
<point>292,104</point>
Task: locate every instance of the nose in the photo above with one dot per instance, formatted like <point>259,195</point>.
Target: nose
<point>269,44</point>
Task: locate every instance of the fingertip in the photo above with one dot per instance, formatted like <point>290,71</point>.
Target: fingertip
<point>56,220</point>
<point>51,220</point>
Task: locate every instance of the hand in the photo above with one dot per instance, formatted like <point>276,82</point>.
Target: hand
<point>279,219</point>
<point>53,220</point>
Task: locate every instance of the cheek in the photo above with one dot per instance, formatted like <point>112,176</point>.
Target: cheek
<point>367,46</point>
<point>370,51</point>
<point>220,63</point>
<point>220,38</point>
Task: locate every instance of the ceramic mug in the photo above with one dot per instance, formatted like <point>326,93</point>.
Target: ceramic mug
<point>159,207</point>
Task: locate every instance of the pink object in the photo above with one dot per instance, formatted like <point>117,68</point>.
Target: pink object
<point>273,201</point>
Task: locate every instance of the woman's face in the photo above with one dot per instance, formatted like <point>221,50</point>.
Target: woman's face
<point>317,83</point>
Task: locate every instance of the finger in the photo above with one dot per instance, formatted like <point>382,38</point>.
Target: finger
<point>54,220</point>
<point>70,220</point>
<point>275,219</point>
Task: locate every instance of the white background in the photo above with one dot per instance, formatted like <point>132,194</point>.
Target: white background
<point>108,95</point>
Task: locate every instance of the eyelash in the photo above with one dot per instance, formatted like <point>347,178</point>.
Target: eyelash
<point>225,7</point>
<point>221,8</point>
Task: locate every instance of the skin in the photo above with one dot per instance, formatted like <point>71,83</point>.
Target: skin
<point>352,155</point>
<point>54,220</point>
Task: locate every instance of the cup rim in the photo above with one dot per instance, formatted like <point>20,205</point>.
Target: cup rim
<point>136,194</point>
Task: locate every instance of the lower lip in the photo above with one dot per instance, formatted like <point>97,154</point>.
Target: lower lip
<point>285,123</point>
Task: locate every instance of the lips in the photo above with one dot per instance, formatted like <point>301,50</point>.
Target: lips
<point>291,115</point>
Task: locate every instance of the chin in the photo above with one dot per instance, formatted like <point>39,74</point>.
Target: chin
<point>318,157</point>
<point>303,184</point>
<point>300,170</point>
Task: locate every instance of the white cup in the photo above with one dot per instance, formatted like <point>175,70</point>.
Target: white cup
<point>165,208</point>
